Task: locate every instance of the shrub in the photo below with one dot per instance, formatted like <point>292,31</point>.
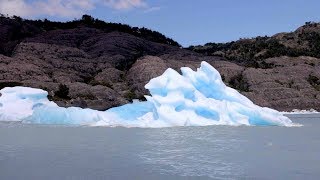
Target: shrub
<point>278,81</point>
<point>290,83</point>
<point>63,92</point>
<point>130,95</point>
<point>9,84</point>
<point>314,81</point>
<point>238,82</point>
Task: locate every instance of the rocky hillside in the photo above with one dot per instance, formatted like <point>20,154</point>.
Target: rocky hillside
<point>86,64</point>
<point>305,41</point>
<point>15,29</point>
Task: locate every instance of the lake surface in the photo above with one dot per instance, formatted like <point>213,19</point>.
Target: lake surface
<point>214,152</point>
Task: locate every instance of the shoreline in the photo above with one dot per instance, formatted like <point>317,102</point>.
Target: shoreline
<point>313,115</point>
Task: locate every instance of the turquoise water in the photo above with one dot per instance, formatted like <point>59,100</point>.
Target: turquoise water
<point>212,152</point>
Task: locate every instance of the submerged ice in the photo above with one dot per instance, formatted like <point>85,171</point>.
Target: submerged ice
<point>193,98</point>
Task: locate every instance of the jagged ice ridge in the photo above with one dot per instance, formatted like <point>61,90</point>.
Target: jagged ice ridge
<point>193,98</point>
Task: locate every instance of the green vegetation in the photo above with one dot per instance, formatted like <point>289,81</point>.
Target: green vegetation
<point>63,92</point>
<point>23,28</point>
<point>130,95</point>
<point>279,82</point>
<point>249,50</point>
<point>310,64</point>
<point>314,81</point>
<point>239,82</point>
<point>303,42</point>
<point>9,84</point>
<point>290,84</point>
<point>223,77</point>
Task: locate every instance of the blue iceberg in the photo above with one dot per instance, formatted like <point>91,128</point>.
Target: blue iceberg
<point>193,98</point>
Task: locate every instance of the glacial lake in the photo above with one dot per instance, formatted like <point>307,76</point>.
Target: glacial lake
<point>40,152</point>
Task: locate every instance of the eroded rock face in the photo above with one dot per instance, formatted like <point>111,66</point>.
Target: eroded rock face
<point>142,71</point>
<point>287,85</point>
<point>16,71</point>
<point>101,70</point>
<point>108,77</point>
<point>90,64</point>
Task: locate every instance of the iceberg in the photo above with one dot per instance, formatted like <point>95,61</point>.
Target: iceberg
<point>192,98</point>
<point>18,103</point>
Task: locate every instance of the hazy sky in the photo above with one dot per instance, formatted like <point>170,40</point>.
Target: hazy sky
<point>189,22</point>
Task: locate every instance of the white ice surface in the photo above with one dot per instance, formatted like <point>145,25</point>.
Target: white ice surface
<point>193,98</point>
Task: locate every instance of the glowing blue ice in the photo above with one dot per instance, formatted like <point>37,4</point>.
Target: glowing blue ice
<point>195,98</point>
